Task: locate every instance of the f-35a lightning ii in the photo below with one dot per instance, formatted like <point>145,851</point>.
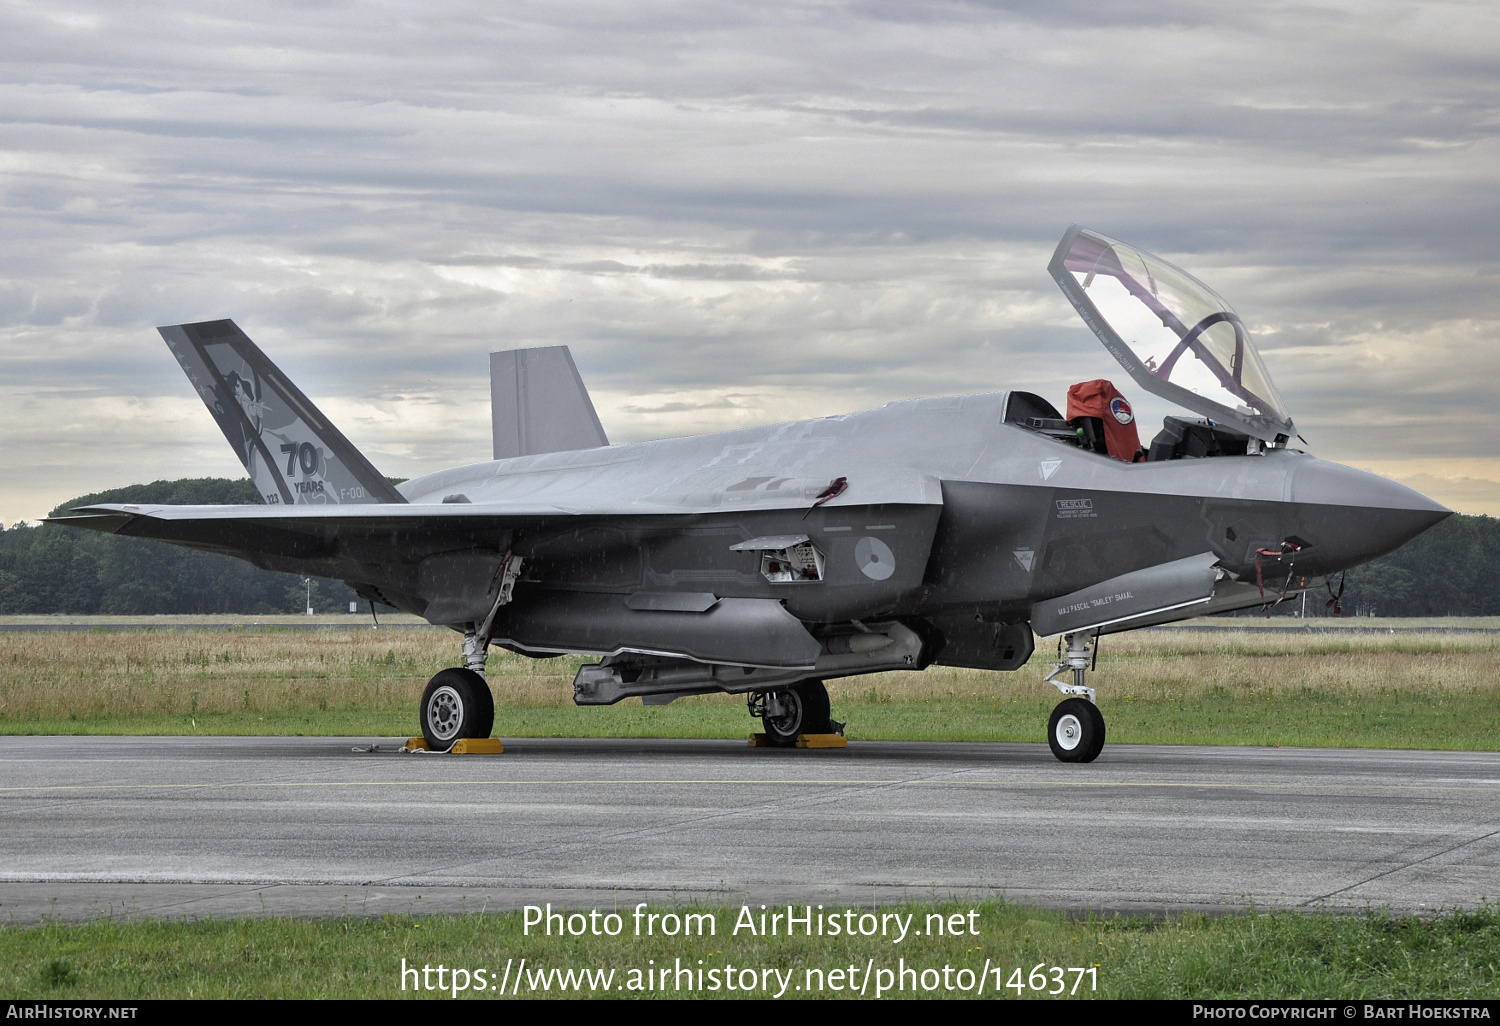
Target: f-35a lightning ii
<point>767,560</point>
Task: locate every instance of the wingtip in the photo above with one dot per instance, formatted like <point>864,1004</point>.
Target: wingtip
<point>94,518</point>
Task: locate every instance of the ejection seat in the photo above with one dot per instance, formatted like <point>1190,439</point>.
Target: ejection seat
<point>1099,419</point>
<point>1104,420</point>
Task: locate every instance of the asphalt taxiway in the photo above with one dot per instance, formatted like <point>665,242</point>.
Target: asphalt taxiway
<point>174,826</point>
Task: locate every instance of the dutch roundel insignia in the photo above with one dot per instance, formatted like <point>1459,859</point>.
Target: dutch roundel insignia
<point>1121,410</point>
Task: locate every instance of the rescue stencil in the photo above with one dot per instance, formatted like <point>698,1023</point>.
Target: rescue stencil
<point>1073,509</point>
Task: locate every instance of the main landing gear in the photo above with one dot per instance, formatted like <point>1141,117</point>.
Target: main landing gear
<point>1075,733</point>
<point>787,712</point>
<point>457,702</point>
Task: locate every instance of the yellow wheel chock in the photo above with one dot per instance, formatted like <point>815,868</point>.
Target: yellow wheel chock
<point>463,746</point>
<point>805,741</point>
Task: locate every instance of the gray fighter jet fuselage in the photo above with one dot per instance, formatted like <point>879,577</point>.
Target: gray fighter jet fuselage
<point>765,560</point>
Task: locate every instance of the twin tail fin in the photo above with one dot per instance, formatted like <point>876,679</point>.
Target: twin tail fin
<point>538,403</point>
<point>292,452</point>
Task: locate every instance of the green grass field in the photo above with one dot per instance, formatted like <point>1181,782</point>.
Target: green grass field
<point>1234,956</point>
<point>1438,691</point>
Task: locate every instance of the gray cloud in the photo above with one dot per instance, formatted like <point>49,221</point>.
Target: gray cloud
<point>731,212</point>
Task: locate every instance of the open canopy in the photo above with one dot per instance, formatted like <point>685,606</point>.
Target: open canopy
<point>1174,334</point>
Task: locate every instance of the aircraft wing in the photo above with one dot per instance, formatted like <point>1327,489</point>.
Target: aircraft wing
<point>441,560</point>
<point>238,530</point>
<point>379,544</point>
<point>322,539</point>
<point>542,494</point>
<point>578,531</point>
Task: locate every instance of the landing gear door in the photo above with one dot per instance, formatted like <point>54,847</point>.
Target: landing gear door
<point>1175,335</point>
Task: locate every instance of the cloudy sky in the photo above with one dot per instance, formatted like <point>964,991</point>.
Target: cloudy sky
<point>733,213</point>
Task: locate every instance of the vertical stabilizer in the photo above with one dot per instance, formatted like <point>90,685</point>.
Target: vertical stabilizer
<point>291,451</point>
<point>538,404</point>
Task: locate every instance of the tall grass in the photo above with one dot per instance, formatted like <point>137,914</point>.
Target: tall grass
<point>106,674</point>
<point>1406,690</point>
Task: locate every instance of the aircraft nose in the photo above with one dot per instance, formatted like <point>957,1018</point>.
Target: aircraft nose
<point>1359,516</point>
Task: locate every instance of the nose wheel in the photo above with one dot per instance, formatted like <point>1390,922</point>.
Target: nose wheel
<point>1075,733</point>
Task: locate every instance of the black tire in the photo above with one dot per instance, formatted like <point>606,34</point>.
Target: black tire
<point>456,703</point>
<point>1075,732</point>
<point>806,712</point>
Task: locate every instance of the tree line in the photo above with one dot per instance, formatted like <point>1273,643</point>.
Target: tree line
<point>48,569</point>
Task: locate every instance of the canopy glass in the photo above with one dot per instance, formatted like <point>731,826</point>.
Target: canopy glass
<point>1176,336</point>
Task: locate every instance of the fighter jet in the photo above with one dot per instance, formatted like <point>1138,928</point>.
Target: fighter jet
<point>765,561</point>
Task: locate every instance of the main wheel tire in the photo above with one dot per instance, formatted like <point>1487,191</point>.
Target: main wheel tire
<point>457,703</point>
<point>1076,730</point>
<point>805,710</point>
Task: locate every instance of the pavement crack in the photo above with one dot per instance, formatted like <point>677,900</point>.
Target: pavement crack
<point>1396,869</point>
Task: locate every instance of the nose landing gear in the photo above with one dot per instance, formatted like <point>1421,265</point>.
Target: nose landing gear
<point>1075,732</point>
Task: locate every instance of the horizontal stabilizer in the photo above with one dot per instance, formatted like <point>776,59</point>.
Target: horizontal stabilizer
<point>538,404</point>
<point>292,452</point>
<point>1179,584</point>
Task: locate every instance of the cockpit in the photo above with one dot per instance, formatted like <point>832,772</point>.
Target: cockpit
<point>1178,339</point>
<point>1179,438</point>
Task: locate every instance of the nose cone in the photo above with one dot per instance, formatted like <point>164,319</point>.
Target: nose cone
<point>1358,516</point>
<point>1333,484</point>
